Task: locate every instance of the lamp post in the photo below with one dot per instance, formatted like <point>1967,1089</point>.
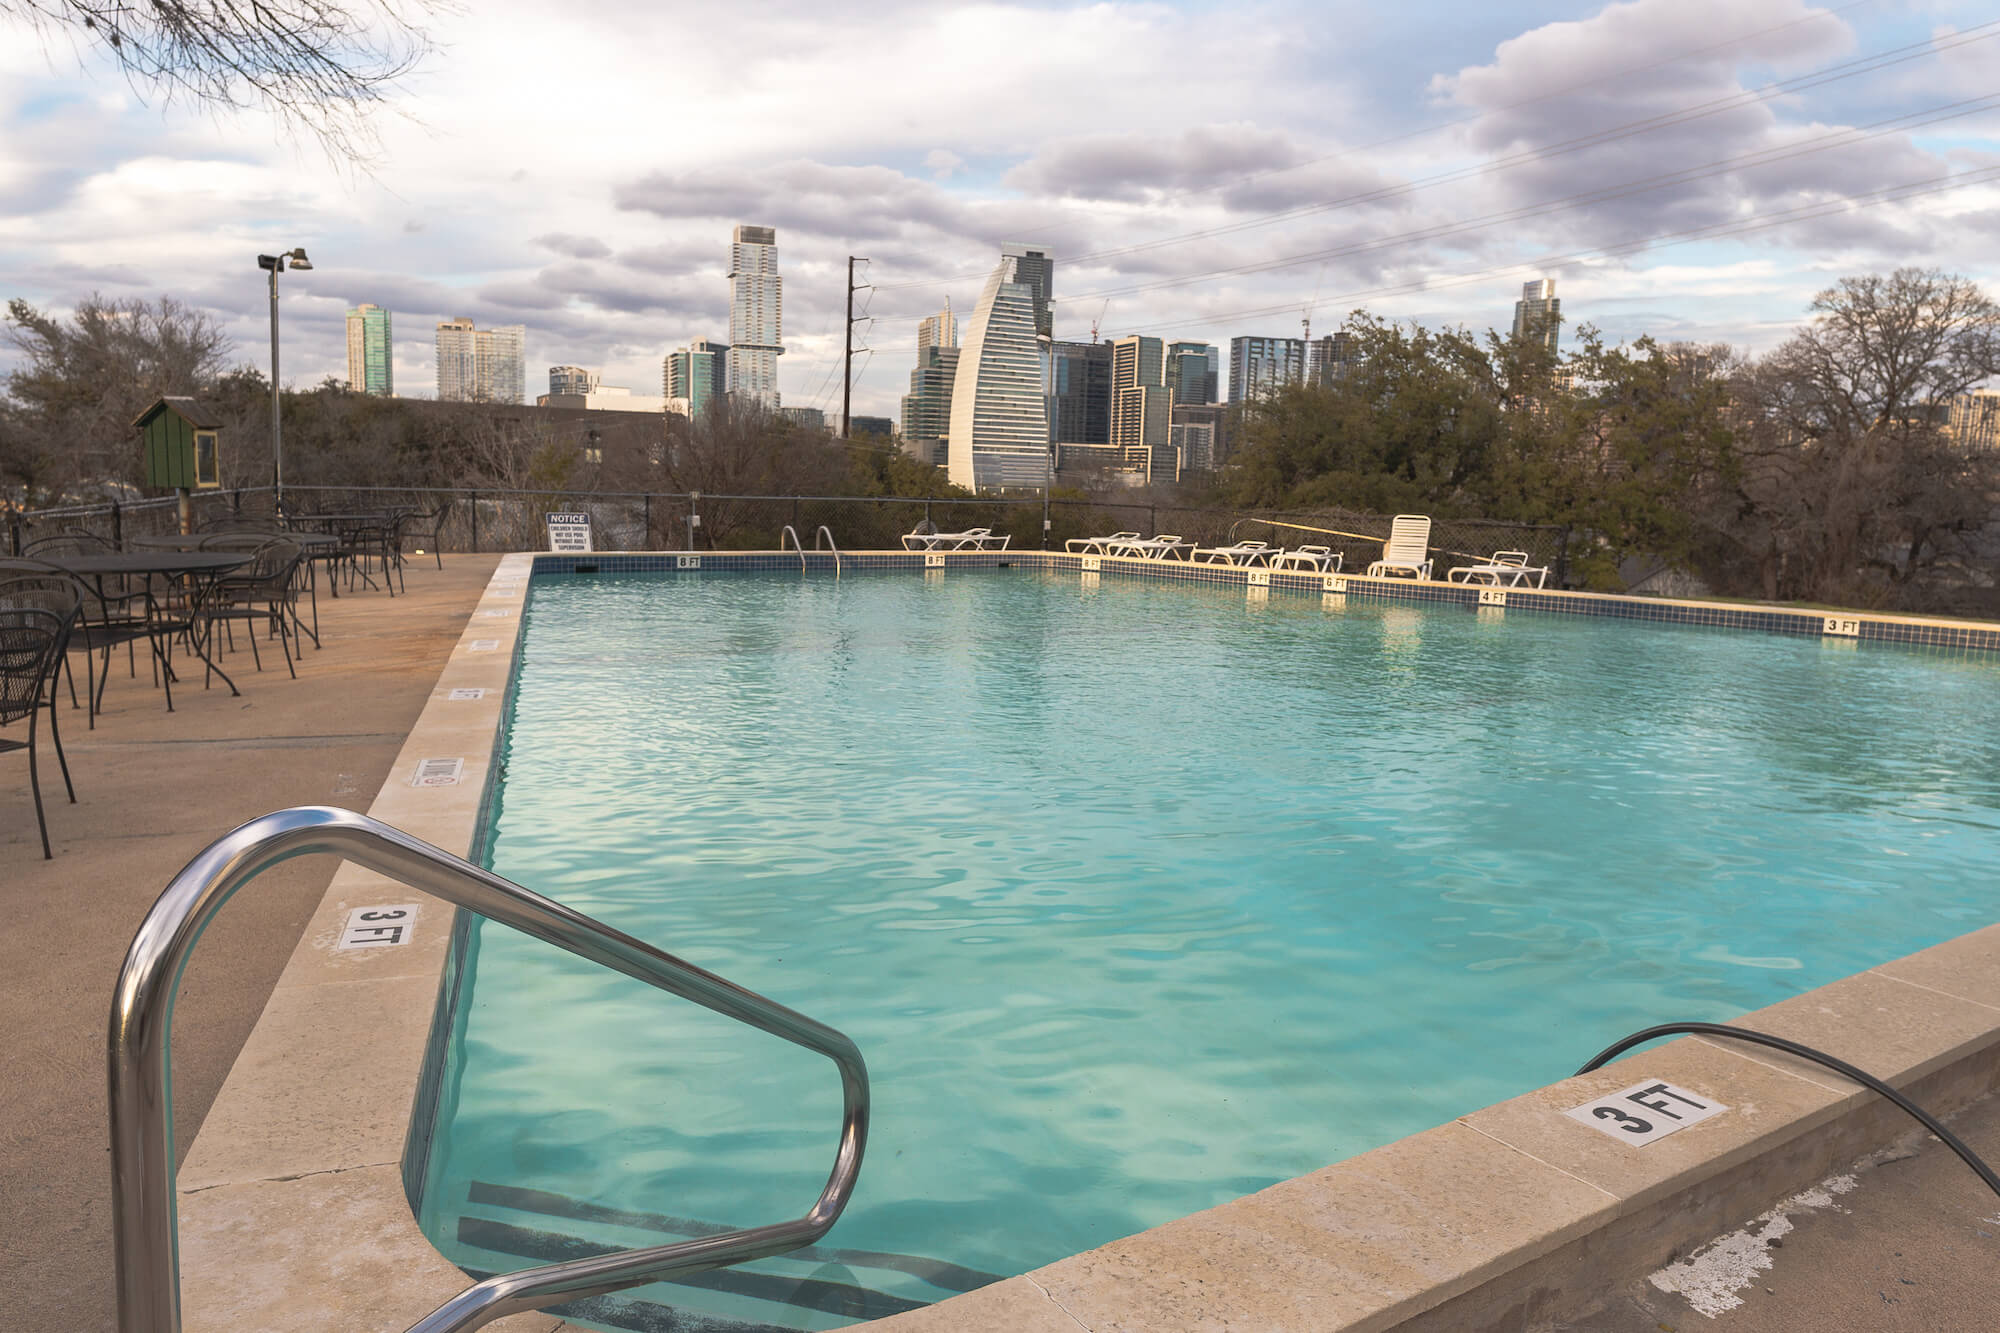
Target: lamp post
<point>274,265</point>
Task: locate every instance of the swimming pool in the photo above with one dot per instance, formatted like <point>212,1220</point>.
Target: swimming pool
<point>1139,898</point>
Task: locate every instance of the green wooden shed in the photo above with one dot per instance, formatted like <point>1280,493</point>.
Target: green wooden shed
<point>179,437</point>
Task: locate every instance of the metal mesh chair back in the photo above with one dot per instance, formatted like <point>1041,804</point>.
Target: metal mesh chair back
<point>31,642</point>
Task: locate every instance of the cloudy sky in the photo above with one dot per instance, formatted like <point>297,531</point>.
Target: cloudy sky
<point>1688,168</point>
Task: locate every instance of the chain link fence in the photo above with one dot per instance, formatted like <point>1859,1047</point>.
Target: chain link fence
<point>493,520</point>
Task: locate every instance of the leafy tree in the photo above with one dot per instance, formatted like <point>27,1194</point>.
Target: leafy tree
<point>68,424</point>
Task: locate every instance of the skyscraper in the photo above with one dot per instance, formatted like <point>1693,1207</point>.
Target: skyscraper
<point>927,406</point>
<point>1334,357</point>
<point>756,315</point>
<point>1258,365</point>
<point>999,416</point>
<point>1191,373</point>
<point>1141,402</point>
<point>1538,314</point>
<point>371,366</point>
<point>500,364</point>
<point>481,365</point>
<point>571,380</point>
<point>1080,387</point>
<point>698,374</point>
<point>940,330</point>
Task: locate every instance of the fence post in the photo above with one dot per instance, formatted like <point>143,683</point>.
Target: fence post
<point>117,526</point>
<point>646,508</point>
<point>474,505</point>
<point>1562,557</point>
<point>14,531</point>
<point>1153,515</point>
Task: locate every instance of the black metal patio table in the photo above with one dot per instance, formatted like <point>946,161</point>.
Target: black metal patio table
<point>199,568</point>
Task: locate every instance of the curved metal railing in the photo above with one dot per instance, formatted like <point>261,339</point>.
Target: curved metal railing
<point>797,545</point>
<point>826,532</point>
<point>142,1151</point>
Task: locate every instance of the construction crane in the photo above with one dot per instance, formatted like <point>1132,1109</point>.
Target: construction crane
<point>1100,318</point>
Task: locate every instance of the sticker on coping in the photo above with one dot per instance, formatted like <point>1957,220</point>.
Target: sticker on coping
<point>1645,1112</point>
<point>1334,583</point>
<point>1844,629</point>
<point>462,694</point>
<point>482,645</point>
<point>687,562</point>
<point>1092,564</point>
<point>438,773</point>
<point>1260,578</point>
<point>378,927</point>
<point>933,562</point>
<point>499,611</point>
<point>1493,597</point>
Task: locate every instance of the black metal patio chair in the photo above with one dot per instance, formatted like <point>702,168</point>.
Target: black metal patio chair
<point>264,593</point>
<point>32,642</point>
<point>424,530</point>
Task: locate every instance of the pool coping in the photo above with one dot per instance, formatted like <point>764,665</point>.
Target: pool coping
<point>294,1211</point>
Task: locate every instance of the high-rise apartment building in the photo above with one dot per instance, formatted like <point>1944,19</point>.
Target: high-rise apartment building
<point>371,364</point>
<point>1259,365</point>
<point>1141,401</point>
<point>1973,421</point>
<point>456,358</point>
<point>1334,357</point>
<point>481,365</point>
<point>756,315</point>
<point>1080,393</point>
<point>940,330</point>
<point>697,375</point>
<point>572,380</point>
<point>1538,314</point>
<point>1192,372</point>
<point>999,434</point>
<point>1199,435</point>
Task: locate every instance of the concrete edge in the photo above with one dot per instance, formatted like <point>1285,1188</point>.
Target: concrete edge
<point>293,1212</point>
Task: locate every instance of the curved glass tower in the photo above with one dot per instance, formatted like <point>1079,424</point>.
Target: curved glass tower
<point>999,411</point>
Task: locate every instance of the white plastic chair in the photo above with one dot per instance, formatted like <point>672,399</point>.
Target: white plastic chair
<point>1407,550</point>
<point>1322,558</point>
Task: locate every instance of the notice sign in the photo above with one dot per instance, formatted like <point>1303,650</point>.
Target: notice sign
<point>569,532</point>
<point>1646,1112</point>
<point>378,927</point>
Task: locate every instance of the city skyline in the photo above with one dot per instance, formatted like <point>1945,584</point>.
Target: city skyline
<point>1294,171</point>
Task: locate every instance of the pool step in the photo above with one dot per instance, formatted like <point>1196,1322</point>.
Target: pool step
<point>503,1227</point>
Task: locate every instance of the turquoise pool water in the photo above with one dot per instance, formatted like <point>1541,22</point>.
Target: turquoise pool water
<point>1138,897</point>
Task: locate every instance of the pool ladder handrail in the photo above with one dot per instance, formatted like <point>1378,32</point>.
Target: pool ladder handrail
<point>797,545</point>
<point>826,532</point>
<point>144,1215</point>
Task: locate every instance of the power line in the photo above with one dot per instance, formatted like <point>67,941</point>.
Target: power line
<point>1841,138</point>
<point>1665,120</point>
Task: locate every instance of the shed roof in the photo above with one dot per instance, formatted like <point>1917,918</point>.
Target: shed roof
<point>188,409</point>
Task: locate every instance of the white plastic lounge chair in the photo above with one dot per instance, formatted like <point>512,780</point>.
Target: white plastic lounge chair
<point>1162,547</point>
<point>1099,545</point>
<point>1322,558</point>
<point>1407,549</point>
<point>1509,567</point>
<point>1241,554</point>
<point>979,539</point>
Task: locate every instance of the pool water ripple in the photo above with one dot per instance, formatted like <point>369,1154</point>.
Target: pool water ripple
<point>1141,898</point>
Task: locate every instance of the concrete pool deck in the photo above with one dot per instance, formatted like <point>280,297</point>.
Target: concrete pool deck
<point>293,1213</point>
<point>153,788</point>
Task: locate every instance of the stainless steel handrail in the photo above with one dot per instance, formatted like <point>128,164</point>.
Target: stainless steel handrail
<point>142,1150</point>
<point>827,532</point>
<point>797,545</point>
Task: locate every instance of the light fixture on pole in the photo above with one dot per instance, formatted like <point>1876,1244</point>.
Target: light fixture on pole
<point>274,265</point>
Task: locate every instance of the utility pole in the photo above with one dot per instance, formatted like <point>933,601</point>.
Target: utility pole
<point>847,354</point>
